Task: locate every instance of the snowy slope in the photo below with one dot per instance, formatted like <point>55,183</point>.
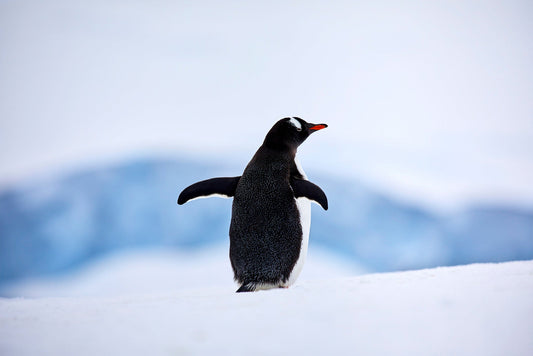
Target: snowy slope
<point>484,309</point>
<point>159,270</point>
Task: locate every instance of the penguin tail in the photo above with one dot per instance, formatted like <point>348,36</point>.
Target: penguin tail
<point>246,287</point>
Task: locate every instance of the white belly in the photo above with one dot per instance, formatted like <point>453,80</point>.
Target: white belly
<point>304,207</point>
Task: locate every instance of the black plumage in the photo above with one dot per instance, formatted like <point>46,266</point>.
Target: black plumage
<point>266,231</point>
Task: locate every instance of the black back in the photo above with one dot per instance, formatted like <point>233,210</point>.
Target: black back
<point>265,230</point>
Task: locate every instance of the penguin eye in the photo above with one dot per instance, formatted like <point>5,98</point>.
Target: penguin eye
<point>295,123</point>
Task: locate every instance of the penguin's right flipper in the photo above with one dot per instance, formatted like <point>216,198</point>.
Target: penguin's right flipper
<point>215,186</point>
<point>311,191</point>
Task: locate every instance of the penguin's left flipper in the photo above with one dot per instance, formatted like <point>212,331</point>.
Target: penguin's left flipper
<point>215,186</point>
<point>306,189</point>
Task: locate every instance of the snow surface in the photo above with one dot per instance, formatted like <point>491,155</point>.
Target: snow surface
<point>484,309</point>
<point>160,270</point>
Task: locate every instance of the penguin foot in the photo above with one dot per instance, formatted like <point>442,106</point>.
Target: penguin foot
<point>247,287</point>
<point>253,287</point>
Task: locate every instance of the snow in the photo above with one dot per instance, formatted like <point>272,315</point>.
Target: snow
<point>160,270</point>
<point>483,309</point>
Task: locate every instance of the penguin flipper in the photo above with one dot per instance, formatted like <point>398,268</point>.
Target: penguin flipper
<point>306,189</point>
<point>215,186</point>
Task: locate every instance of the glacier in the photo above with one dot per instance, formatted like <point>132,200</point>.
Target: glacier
<point>55,224</point>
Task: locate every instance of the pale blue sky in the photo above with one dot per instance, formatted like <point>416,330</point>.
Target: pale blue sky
<point>429,101</point>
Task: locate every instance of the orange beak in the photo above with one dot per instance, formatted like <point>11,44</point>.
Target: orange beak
<point>318,127</point>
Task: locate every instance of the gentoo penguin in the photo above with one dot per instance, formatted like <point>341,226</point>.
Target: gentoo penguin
<point>271,212</point>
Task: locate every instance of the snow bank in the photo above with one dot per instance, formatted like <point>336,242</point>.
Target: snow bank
<point>156,270</point>
<point>484,309</point>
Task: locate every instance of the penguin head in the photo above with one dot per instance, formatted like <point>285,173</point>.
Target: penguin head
<point>290,132</point>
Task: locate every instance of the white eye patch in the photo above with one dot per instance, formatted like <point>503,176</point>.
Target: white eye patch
<point>295,123</point>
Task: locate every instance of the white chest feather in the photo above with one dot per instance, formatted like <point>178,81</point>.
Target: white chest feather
<point>304,208</point>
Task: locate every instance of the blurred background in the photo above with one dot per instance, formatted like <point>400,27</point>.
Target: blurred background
<point>108,109</point>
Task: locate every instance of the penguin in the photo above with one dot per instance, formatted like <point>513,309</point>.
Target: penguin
<point>271,210</point>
